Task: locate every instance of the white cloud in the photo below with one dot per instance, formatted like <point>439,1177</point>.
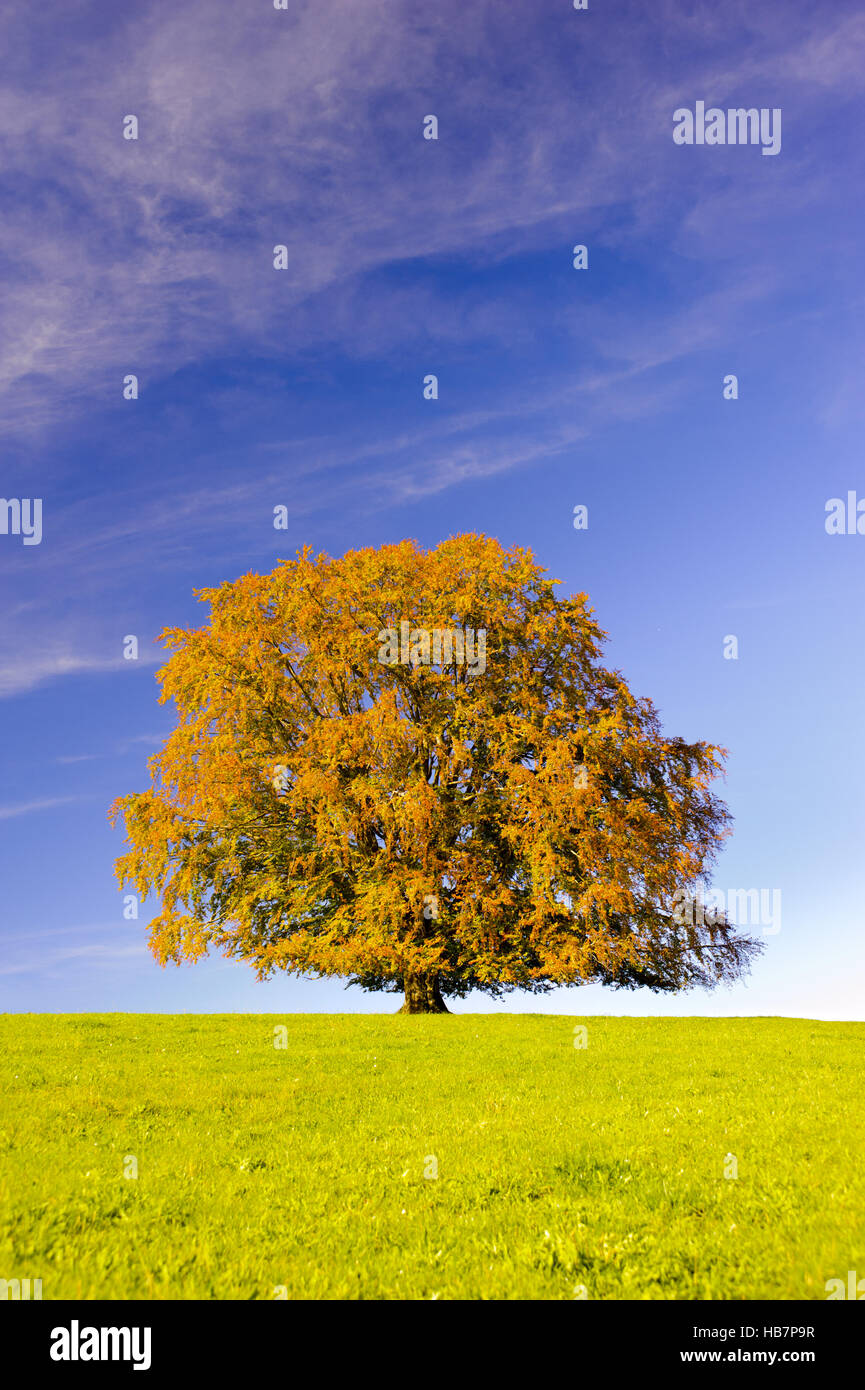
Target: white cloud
<point>25,669</point>
<point>98,954</point>
<point>26,808</point>
<point>304,128</point>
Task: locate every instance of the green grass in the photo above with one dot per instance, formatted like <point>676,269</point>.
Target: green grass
<point>304,1167</point>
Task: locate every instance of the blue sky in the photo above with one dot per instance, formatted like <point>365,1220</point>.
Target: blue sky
<point>303,388</point>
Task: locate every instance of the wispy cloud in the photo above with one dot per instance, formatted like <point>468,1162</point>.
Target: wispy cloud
<point>26,808</point>
<point>124,746</point>
<point>167,241</point>
<point>24,669</point>
<point>304,128</point>
<point>97,954</point>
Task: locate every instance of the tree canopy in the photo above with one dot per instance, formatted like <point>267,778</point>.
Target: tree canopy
<point>410,768</point>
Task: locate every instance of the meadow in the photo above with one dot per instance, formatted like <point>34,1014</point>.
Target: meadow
<point>430,1157</point>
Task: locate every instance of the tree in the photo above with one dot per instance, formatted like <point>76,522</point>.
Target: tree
<point>410,768</point>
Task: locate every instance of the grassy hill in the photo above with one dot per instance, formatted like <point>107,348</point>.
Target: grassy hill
<point>306,1171</point>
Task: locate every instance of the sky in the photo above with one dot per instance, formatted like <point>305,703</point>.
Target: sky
<point>558,387</point>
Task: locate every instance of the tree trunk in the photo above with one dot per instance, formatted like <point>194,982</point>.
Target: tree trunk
<point>423,996</point>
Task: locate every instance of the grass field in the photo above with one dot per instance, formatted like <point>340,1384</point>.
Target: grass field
<point>305,1170</point>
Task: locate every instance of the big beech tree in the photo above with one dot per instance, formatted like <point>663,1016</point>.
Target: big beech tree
<point>411,769</point>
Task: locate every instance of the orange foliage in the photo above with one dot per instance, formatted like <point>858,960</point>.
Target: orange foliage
<point>320,811</point>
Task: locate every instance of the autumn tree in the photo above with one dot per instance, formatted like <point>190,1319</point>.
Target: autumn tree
<point>411,769</point>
